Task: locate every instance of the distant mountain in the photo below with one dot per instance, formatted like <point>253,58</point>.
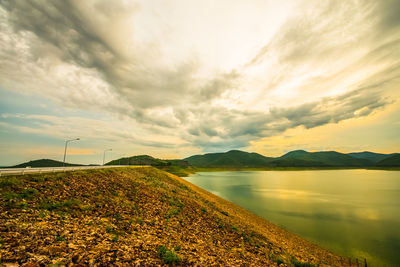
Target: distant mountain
<point>392,161</point>
<point>233,158</point>
<point>301,158</point>
<point>374,157</point>
<point>148,160</point>
<point>43,163</point>
<point>297,158</point>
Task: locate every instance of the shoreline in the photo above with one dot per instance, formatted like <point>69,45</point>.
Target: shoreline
<point>298,245</point>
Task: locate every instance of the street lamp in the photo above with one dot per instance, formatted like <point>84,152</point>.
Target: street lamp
<point>65,150</point>
<point>104,154</point>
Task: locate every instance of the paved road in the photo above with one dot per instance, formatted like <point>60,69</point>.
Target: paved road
<point>22,171</point>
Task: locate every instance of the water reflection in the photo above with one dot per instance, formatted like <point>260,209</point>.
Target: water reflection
<point>352,212</point>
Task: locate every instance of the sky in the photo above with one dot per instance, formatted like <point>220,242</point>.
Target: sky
<point>176,78</point>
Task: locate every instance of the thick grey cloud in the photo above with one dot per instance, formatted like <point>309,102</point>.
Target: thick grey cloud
<point>237,128</point>
<point>109,71</point>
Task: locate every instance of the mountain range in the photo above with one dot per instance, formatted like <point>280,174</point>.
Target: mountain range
<point>242,159</point>
<point>297,158</point>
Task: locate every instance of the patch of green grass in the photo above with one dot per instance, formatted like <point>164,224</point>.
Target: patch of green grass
<point>297,263</point>
<point>60,238</point>
<point>234,228</point>
<point>225,213</point>
<point>73,202</point>
<point>118,217</point>
<point>168,256</point>
<point>9,181</point>
<point>247,238</point>
<point>115,238</point>
<point>139,220</point>
<point>57,205</point>
<point>50,205</point>
<point>173,212</point>
<point>278,260</point>
<point>26,194</point>
<point>175,202</point>
<point>58,264</point>
<point>37,179</point>
<point>24,206</point>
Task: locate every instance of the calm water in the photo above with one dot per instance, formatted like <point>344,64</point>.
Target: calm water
<point>352,212</point>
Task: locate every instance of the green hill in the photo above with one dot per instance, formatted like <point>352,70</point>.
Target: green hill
<point>374,157</point>
<point>148,160</point>
<point>235,158</point>
<point>176,166</point>
<point>392,161</point>
<point>139,160</point>
<point>325,158</point>
<point>43,163</point>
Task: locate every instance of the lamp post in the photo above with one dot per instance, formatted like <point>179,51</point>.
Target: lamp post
<point>65,150</point>
<point>104,154</point>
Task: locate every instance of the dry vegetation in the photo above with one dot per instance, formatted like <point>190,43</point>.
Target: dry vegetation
<point>137,216</point>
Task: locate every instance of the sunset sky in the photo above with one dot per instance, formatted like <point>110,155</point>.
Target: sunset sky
<point>177,78</point>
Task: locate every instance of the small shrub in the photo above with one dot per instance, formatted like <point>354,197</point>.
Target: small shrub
<point>225,213</point>
<point>168,256</point>
<point>234,228</point>
<point>203,210</point>
<point>114,239</point>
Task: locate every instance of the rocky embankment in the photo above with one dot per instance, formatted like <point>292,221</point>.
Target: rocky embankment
<point>137,216</point>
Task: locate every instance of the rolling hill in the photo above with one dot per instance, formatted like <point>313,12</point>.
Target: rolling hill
<point>43,163</point>
<point>374,157</point>
<point>303,158</point>
<point>392,161</point>
<point>234,158</point>
<point>148,160</point>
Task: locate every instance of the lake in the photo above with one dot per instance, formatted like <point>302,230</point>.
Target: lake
<point>351,212</point>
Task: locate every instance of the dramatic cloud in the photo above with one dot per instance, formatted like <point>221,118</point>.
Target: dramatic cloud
<point>215,75</point>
